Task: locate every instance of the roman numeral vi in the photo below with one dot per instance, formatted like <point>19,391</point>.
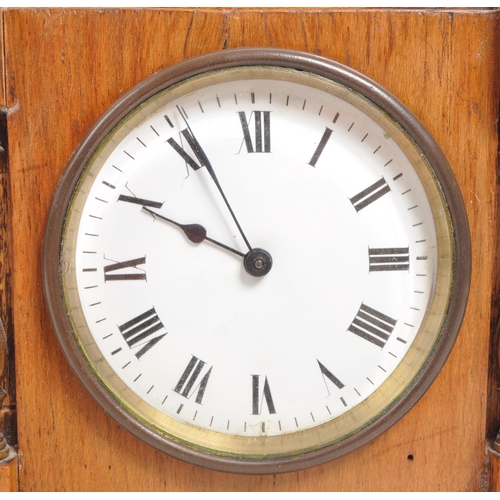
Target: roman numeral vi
<point>258,396</point>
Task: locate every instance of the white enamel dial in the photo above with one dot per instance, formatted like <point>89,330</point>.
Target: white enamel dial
<point>256,261</point>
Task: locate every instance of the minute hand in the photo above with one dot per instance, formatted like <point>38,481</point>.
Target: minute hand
<point>198,151</point>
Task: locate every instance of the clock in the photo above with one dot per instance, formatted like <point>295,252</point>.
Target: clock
<point>257,260</point>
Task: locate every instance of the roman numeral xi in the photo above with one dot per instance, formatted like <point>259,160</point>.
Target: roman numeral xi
<point>195,148</point>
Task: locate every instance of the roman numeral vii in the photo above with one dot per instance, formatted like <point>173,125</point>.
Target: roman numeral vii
<point>192,380</point>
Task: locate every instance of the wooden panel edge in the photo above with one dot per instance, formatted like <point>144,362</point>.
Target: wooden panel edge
<point>493,410</point>
<point>3,86</point>
<point>493,466</point>
<point>9,473</point>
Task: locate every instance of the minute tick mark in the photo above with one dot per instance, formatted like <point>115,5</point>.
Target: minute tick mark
<point>169,121</point>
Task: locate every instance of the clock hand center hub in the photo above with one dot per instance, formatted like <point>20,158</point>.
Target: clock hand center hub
<point>258,262</point>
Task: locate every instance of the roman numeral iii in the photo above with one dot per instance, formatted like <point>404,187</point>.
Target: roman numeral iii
<point>262,131</point>
<point>259,396</point>
<point>372,325</point>
<point>389,259</point>
<point>143,332</point>
<point>188,383</point>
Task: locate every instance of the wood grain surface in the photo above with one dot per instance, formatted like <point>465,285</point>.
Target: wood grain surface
<point>63,68</point>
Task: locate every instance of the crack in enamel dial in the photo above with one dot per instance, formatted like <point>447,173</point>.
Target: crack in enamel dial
<point>257,266</point>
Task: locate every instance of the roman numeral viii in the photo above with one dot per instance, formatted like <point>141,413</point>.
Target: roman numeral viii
<point>191,380</point>
<point>258,396</point>
<point>372,325</point>
<point>143,331</point>
<point>138,274</point>
<point>389,259</point>
<point>262,128</point>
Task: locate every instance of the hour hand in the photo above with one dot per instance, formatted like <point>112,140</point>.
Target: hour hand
<point>194,232</point>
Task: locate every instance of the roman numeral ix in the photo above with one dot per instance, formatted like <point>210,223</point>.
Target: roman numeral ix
<point>372,325</point>
<point>111,275</point>
<point>262,129</point>
<point>188,383</point>
<point>143,331</point>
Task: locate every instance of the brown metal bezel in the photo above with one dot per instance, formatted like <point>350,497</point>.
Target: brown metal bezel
<point>259,57</point>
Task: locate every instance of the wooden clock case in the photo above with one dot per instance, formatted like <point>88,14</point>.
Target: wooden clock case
<point>62,68</point>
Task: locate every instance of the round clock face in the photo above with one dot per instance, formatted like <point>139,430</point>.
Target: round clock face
<point>257,267</point>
